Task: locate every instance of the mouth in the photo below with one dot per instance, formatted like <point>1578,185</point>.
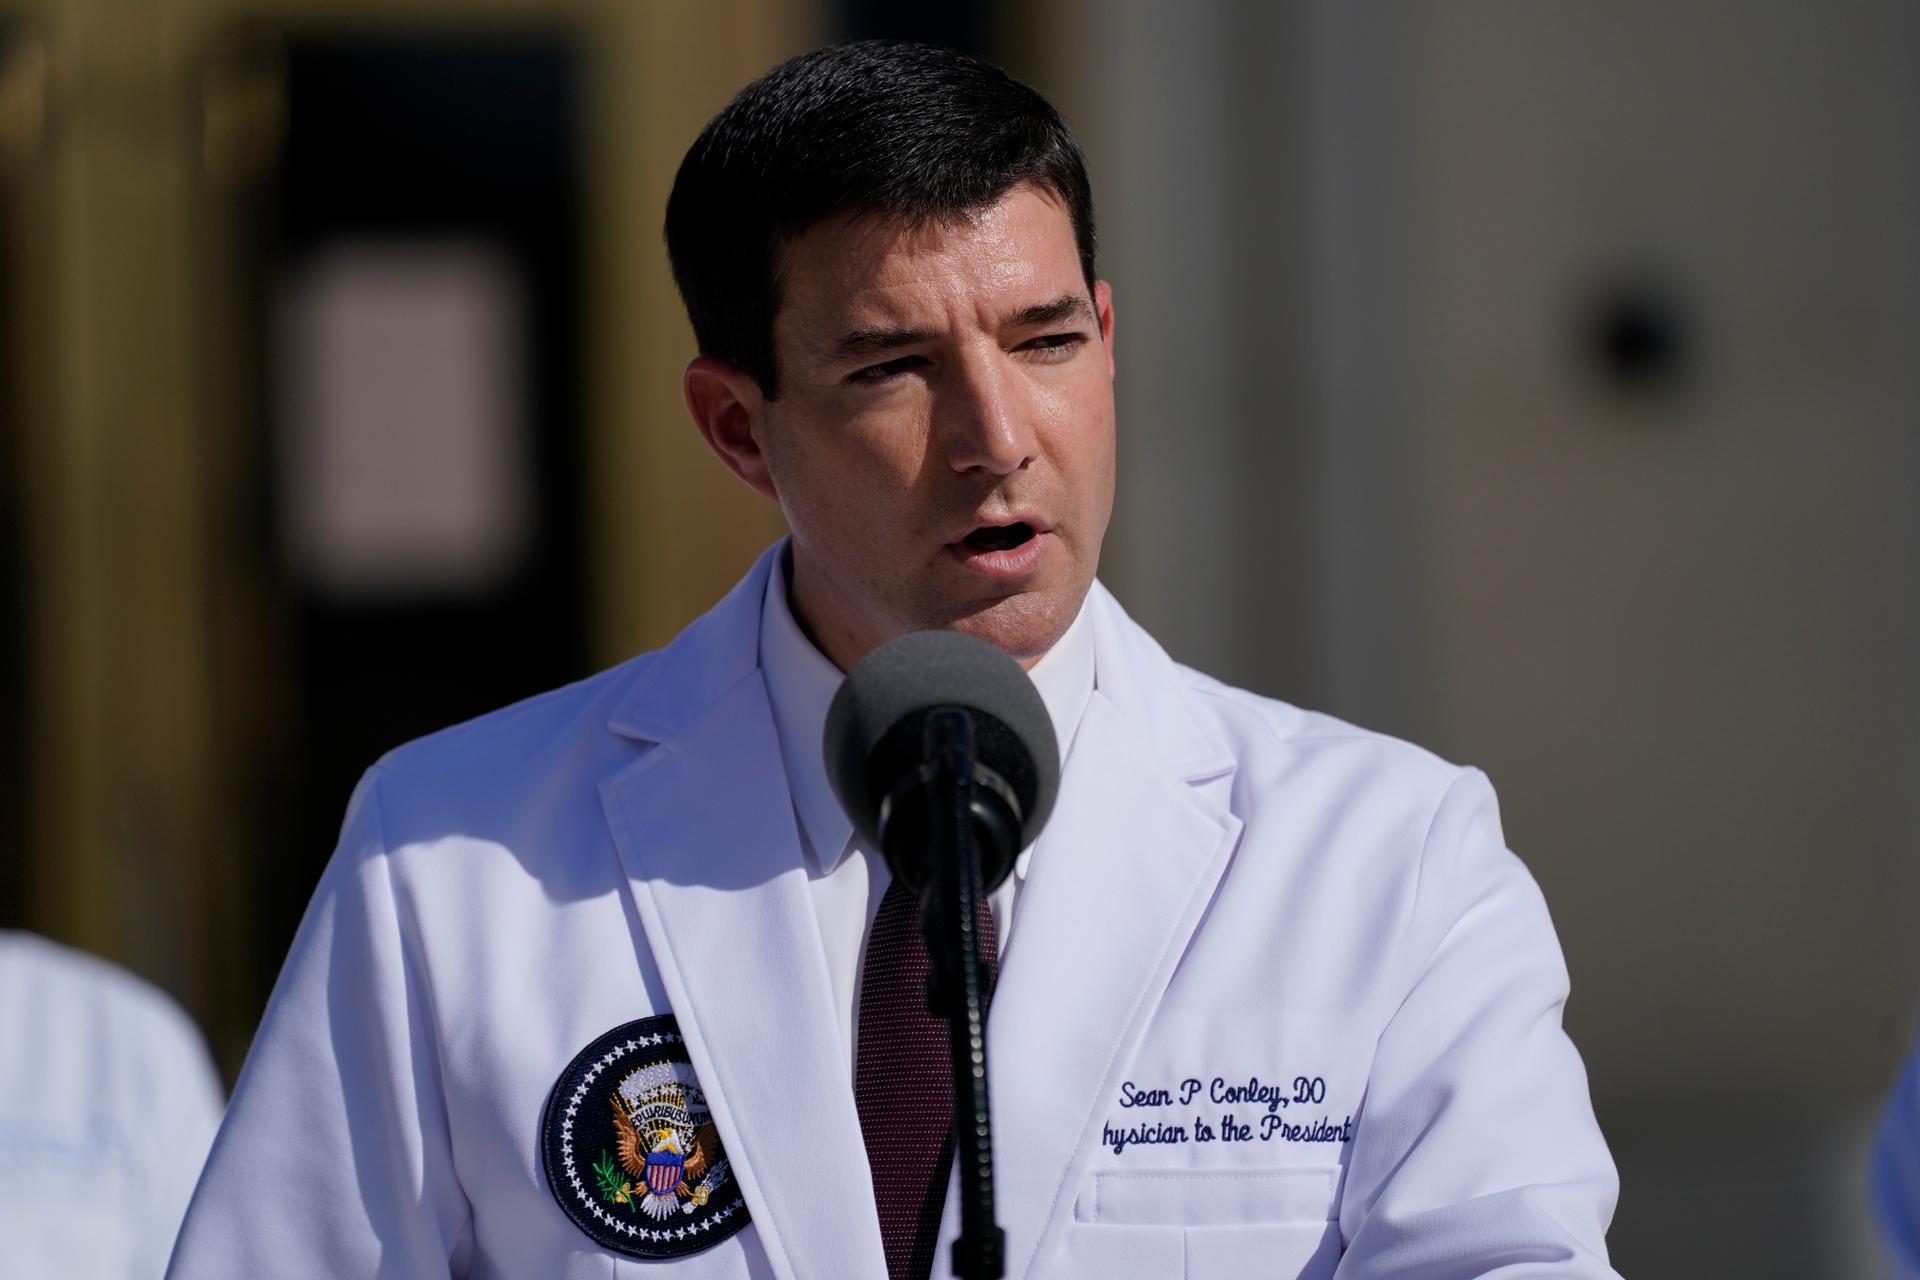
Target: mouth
<point>1000,537</point>
<point>1003,551</point>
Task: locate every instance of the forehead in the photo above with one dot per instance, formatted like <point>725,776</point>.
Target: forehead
<point>863,270</point>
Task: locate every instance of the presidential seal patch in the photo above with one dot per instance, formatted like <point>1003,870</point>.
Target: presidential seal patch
<point>631,1150</point>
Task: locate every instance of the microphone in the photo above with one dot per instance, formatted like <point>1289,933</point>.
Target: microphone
<point>941,751</point>
<point>877,750</point>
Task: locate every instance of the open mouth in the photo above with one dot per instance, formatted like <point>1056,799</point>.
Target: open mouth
<point>999,537</point>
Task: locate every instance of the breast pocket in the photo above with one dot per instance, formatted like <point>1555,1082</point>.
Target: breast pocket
<point>1233,1224</point>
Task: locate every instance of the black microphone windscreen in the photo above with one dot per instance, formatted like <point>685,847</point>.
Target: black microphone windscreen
<point>874,727</point>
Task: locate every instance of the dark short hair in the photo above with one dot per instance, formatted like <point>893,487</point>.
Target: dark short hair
<point>882,127</point>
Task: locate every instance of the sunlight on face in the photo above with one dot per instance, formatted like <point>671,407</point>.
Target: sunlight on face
<point>943,445</point>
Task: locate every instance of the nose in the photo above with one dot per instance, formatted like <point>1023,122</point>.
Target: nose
<point>986,419</point>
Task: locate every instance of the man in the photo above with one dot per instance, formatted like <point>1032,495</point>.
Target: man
<point>589,986</point>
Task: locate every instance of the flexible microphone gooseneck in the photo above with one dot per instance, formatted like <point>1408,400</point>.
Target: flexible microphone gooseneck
<point>942,753</point>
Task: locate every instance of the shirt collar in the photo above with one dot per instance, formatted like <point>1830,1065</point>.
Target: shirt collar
<point>801,682</point>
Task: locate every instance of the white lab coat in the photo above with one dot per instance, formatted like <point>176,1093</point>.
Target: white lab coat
<point>1230,889</point>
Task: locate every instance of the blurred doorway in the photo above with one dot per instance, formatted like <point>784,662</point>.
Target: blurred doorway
<point>411,293</point>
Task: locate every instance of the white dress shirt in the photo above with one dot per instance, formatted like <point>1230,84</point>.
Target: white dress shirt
<point>846,876</point>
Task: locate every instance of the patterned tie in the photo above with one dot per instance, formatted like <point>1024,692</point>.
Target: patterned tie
<point>902,1081</point>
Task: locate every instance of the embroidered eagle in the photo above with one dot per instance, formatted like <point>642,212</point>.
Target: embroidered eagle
<point>632,1149</point>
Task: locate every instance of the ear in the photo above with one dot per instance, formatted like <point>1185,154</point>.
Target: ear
<point>1103,308</point>
<point>729,408</point>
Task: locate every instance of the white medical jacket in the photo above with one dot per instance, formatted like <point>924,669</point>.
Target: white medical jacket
<point>1280,1003</point>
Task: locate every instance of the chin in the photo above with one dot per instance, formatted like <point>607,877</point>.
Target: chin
<point>1026,625</point>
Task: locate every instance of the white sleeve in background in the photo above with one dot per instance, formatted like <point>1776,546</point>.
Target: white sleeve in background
<point>334,1157</point>
<point>1896,1171</point>
<point>1477,1156</point>
<point>108,1102</point>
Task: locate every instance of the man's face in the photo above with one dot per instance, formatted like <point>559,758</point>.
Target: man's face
<point>943,442</point>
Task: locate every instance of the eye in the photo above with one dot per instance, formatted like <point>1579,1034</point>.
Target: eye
<point>886,369</point>
<point>1054,347</point>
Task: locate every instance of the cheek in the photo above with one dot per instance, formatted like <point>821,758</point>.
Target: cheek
<point>838,474</point>
<point>1081,416</point>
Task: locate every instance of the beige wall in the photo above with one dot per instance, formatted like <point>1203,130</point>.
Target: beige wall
<point>1682,633</point>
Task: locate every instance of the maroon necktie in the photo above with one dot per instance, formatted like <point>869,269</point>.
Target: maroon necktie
<point>903,1083</point>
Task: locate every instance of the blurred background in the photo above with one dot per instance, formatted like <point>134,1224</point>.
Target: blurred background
<point>1537,381</point>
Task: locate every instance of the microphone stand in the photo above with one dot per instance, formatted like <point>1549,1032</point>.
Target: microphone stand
<point>955,983</point>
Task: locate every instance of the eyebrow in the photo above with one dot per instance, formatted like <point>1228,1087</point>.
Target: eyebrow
<point>862,343</point>
<point>1068,306</point>
<point>866,343</point>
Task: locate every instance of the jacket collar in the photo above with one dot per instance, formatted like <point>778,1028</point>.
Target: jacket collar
<point>704,827</point>
<point>722,647</point>
<point>717,651</point>
<point>1151,691</point>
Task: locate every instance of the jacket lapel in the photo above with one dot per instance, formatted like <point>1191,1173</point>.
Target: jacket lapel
<point>705,829</point>
<point>1117,884</point>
